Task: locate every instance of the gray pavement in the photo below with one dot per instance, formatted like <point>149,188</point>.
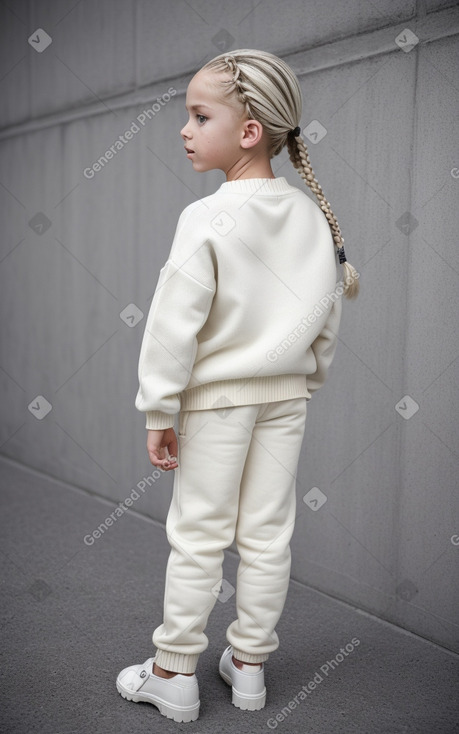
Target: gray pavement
<point>73,615</point>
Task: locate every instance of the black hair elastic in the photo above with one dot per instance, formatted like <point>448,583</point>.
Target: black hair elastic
<point>342,256</point>
<point>296,132</point>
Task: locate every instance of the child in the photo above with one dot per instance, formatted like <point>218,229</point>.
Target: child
<point>241,332</point>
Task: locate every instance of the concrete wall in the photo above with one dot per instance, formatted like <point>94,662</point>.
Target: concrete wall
<point>80,259</point>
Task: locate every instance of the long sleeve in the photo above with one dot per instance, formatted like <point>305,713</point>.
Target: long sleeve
<point>227,317</point>
<point>179,309</point>
<point>324,347</point>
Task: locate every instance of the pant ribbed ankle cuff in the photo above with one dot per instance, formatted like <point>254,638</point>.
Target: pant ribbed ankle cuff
<point>176,662</point>
<point>246,657</point>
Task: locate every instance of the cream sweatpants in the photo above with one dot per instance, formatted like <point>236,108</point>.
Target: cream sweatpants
<point>235,479</point>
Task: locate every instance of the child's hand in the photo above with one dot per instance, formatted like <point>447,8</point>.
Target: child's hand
<point>162,448</point>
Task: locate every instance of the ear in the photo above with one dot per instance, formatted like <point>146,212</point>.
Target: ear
<point>252,132</point>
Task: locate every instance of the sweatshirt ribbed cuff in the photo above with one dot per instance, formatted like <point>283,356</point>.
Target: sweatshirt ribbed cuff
<point>158,421</point>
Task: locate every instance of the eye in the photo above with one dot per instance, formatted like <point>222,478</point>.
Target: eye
<point>202,117</point>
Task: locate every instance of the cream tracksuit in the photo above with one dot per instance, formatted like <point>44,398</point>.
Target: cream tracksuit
<point>241,332</point>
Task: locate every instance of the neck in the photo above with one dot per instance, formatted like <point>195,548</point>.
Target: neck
<point>254,168</point>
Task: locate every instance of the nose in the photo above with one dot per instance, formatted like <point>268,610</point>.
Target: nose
<point>183,132</point>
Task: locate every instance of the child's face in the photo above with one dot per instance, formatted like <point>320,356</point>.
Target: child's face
<point>214,131</point>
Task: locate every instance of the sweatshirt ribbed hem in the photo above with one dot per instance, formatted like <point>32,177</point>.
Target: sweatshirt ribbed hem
<point>251,391</point>
<point>226,393</point>
<point>177,662</point>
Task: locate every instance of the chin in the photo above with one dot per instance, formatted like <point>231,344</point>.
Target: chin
<point>201,166</point>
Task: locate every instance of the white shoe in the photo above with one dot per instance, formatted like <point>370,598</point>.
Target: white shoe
<point>248,689</point>
<point>176,697</point>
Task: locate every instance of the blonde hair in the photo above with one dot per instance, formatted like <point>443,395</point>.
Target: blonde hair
<point>269,92</point>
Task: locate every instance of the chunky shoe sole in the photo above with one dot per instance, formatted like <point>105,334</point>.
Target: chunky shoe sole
<point>176,698</point>
<point>180,714</point>
<point>245,701</point>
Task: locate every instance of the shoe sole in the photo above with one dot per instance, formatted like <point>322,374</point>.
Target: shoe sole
<point>244,701</point>
<point>181,714</point>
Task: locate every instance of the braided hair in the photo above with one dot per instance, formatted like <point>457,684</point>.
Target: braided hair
<point>267,90</point>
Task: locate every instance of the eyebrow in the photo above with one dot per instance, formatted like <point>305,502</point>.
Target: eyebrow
<point>196,106</point>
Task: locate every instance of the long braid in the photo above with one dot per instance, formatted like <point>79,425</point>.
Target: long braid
<point>299,156</point>
<point>249,72</point>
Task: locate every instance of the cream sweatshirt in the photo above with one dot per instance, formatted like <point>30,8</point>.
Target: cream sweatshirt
<point>246,308</point>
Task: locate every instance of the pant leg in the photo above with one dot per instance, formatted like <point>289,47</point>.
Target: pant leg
<point>201,522</point>
<point>267,510</point>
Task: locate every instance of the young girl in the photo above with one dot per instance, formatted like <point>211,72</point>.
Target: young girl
<point>241,332</point>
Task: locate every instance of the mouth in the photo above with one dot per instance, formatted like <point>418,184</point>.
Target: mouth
<point>188,150</point>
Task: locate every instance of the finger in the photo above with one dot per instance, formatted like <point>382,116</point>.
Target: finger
<point>170,463</point>
<point>165,464</point>
<point>173,446</point>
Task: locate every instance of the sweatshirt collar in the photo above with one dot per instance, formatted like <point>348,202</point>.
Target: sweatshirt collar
<point>257,186</point>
